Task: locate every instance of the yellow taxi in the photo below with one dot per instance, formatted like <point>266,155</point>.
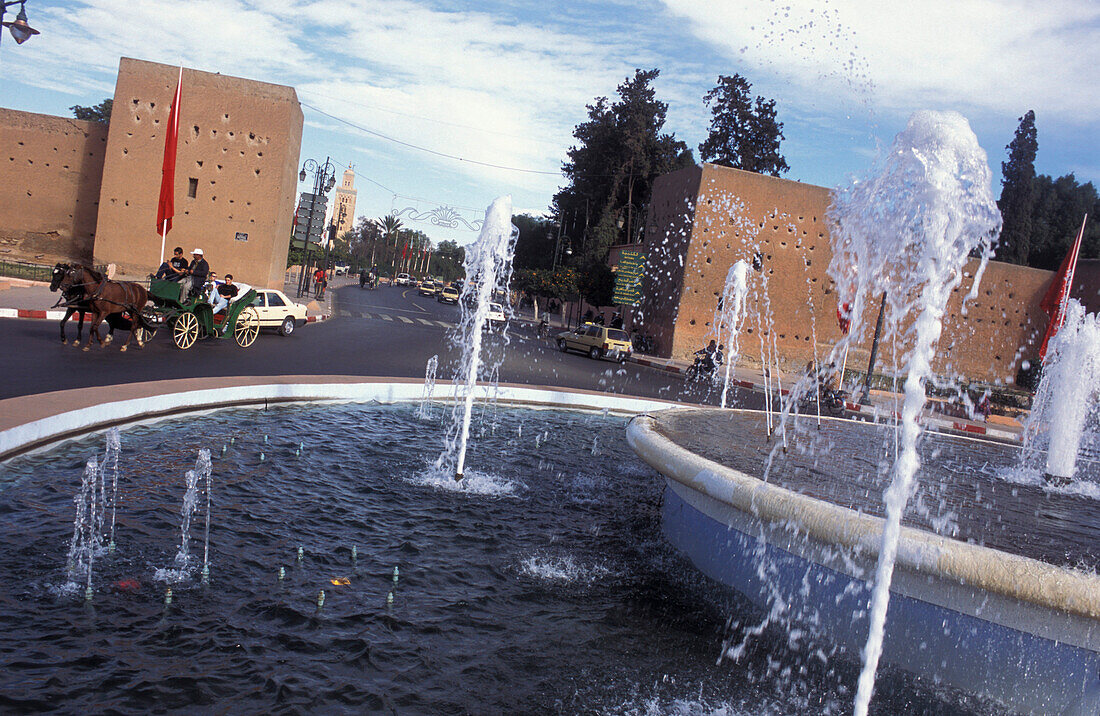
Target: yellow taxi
<point>597,341</point>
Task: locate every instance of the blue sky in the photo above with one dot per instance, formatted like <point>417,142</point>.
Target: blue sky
<point>504,83</point>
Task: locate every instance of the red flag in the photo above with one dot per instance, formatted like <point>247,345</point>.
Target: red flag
<point>1057,296</point>
<point>166,207</point>
<point>295,224</point>
<point>844,317</point>
<point>404,251</point>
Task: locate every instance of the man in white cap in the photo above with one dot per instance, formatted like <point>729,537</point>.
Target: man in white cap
<point>198,270</point>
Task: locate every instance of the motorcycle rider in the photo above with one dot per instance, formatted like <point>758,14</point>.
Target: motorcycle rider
<point>708,359</point>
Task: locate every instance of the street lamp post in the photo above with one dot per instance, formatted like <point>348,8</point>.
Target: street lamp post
<point>324,177</point>
<point>337,221</point>
<point>866,398</point>
<point>20,30</point>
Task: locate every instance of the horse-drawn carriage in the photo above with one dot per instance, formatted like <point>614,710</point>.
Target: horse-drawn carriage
<point>190,317</point>
<point>143,311</point>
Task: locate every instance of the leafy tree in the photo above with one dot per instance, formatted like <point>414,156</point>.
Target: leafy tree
<point>97,113</point>
<point>596,283</point>
<point>620,150</point>
<point>743,135</point>
<point>447,261</point>
<point>1057,210</point>
<point>537,241</point>
<point>1018,193</point>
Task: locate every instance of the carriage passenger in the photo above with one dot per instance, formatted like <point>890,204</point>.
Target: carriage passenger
<point>223,293</point>
<point>175,268</point>
<point>198,270</point>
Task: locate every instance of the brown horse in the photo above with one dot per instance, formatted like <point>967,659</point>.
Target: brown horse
<point>74,303</point>
<point>105,297</point>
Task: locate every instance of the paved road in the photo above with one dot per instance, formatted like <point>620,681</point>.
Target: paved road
<point>386,332</point>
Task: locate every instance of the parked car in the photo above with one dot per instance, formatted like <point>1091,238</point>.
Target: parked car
<point>449,294</point>
<point>403,279</point>
<point>596,341</point>
<point>341,269</point>
<point>426,288</point>
<point>278,311</point>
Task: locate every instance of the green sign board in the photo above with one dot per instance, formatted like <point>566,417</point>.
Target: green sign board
<point>628,278</point>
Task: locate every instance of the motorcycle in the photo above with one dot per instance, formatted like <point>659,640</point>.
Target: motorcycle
<point>702,369</point>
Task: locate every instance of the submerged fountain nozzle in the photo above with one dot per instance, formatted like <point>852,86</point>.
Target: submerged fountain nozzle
<point>321,599</point>
<point>168,596</point>
<point>282,573</point>
<point>88,594</point>
<point>459,476</point>
<point>301,554</point>
<point>206,574</point>
<point>354,553</point>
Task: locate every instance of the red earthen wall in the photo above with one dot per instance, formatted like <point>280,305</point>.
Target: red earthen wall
<point>50,171</point>
<point>737,213</point>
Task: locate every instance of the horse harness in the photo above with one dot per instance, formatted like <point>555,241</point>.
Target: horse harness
<point>99,290</point>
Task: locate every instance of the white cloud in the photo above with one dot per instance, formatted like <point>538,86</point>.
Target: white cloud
<point>997,56</point>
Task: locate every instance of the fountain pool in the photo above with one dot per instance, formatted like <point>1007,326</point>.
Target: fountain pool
<point>541,583</point>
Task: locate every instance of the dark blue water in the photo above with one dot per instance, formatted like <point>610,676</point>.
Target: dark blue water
<point>543,585</point>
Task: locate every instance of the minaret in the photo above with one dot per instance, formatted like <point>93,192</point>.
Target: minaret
<point>345,197</point>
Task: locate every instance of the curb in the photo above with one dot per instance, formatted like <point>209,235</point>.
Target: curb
<point>28,313</point>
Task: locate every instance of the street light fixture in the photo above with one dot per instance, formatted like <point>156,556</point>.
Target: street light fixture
<point>324,176</point>
<point>19,28</point>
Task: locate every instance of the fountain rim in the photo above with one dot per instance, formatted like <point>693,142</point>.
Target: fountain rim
<point>37,422</point>
<point>928,554</point>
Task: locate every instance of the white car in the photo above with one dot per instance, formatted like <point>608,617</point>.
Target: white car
<point>278,311</point>
<point>496,316</point>
<point>403,279</point>
<point>341,269</point>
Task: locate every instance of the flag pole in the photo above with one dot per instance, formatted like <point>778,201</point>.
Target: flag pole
<point>1072,272</point>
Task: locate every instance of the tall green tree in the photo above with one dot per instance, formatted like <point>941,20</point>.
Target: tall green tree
<point>1017,200</point>
<point>743,134</point>
<point>96,113</point>
<point>620,150</point>
<point>1057,210</point>
<point>537,241</point>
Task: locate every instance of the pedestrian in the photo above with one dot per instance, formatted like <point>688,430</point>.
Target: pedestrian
<point>617,320</point>
<point>588,316</point>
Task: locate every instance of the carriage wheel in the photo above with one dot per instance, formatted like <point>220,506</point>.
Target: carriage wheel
<point>186,330</point>
<point>247,328</point>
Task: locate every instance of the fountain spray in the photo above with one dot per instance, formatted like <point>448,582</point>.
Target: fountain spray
<point>488,270</point>
<point>729,317</point>
<point>110,463</point>
<point>907,230</point>
<point>83,545</point>
<point>424,411</point>
<point>205,469</point>
<point>1067,393</point>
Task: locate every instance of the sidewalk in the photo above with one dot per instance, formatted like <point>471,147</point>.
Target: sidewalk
<point>884,404</point>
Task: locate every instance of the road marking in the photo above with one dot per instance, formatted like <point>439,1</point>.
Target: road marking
<point>441,324</point>
<point>425,321</point>
<point>405,320</point>
<point>345,314</point>
<point>384,317</point>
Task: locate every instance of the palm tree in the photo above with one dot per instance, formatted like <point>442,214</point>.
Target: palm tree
<point>391,226</point>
